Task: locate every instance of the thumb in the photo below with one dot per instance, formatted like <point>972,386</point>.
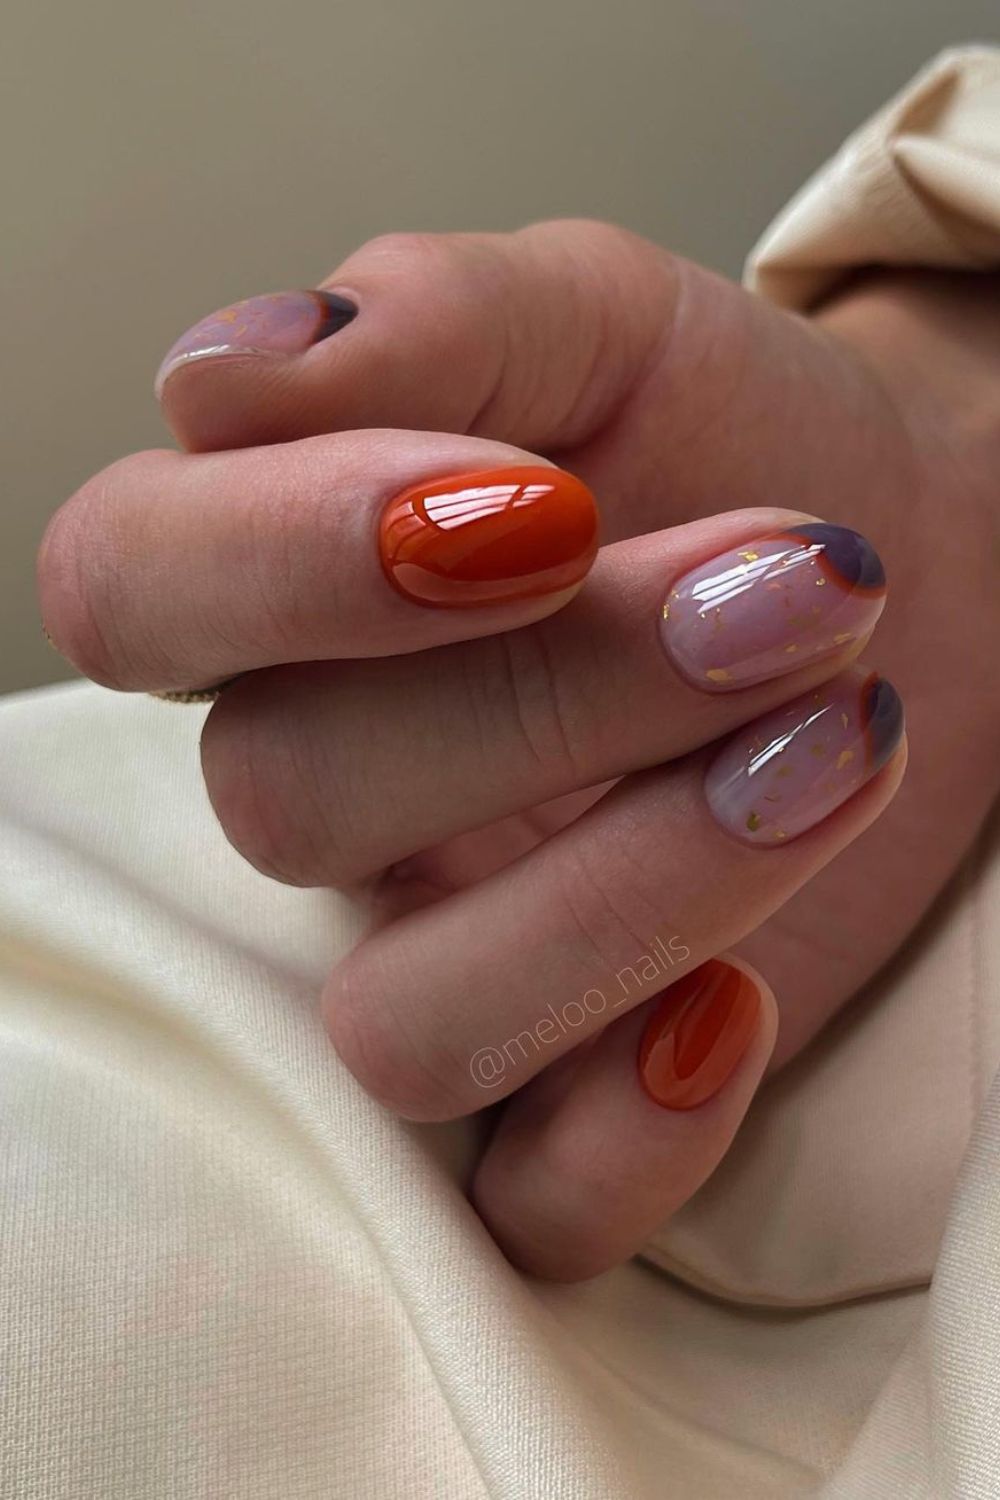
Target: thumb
<point>537,332</point>
<point>672,392</point>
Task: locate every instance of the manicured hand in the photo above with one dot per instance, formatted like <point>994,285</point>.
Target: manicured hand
<point>380,523</point>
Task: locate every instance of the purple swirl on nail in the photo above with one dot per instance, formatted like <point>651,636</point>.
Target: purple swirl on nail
<point>772,605</point>
<point>277,323</point>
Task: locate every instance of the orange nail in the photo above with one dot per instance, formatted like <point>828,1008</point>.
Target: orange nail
<point>696,1036</point>
<point>489,537</point>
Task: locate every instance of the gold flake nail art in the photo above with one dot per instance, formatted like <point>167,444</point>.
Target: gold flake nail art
<point>827,752</point>
<point>754,613</point>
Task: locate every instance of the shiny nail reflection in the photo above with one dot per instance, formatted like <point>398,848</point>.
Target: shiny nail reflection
<point>788,770</point>
<point>276,323</point>
<point>766,608</point>
<point>697,1034</point>
<point>489,537</point>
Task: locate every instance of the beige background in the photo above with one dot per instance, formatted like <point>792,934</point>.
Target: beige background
<point>160,160</point>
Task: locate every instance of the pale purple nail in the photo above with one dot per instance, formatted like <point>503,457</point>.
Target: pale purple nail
<point>772,605</point>
<point>788,770</point>
<point>278,323</point>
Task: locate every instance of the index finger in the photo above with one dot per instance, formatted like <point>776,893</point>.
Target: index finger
<point>172,570</point>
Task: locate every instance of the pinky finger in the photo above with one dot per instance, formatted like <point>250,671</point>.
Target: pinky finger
<point>597,1151</point>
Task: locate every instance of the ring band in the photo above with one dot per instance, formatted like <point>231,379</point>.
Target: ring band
<point>195,695</point>
<point>177,695</point>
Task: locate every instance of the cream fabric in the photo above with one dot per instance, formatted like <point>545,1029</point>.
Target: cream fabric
<point>918,185</point>
<point>227,1274</point>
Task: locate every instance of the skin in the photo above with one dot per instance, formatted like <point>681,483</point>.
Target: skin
<point>675,396</point>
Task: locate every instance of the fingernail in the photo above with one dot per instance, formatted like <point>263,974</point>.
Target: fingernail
<point>489,537</point>
<point>788,770</point>
<point>697,1034</point>
<point>768,607</point>
<point>279,323</point>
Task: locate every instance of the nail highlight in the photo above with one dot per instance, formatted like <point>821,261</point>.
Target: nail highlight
<point>790,769</point>
<point>278,323</point>
<point>766,608</point>
<point>489,537</point>
<point>697,1035</point>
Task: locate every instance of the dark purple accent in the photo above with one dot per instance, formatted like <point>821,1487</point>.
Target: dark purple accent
<point>336,312</point>
<point>882,715</point>
<point>852,555</point>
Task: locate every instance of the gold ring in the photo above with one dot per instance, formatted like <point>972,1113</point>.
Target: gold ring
<point>195,695</point>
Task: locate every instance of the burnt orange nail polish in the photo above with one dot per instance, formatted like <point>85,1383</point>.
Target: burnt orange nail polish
<point>489,537</point>
<point>696,1036</point>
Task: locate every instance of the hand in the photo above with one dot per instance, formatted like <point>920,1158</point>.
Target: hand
<point>674,396</point>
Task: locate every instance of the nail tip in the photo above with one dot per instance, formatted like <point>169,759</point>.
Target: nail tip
<point>163,374</point>
<point>850,554</point>
<point>885,719</point>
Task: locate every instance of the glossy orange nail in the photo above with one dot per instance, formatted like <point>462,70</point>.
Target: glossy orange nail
<point>489,537</point>
<point>696,1036</point>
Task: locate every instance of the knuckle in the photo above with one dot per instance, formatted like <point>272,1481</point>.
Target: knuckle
<point>613,294</point>
<point>537,701</point>
<point>270,790</point>
<point>613,899</point>
<point>287,542</point>
<point>583,237</point>
<point>467,273</point>
<point>395,1063</point>
<point>407,251</point>
<point>599,231</point>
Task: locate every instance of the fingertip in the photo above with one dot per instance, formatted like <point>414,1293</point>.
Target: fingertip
<point>594,1154</point>
<point>766,1027</point>
<point>215,383</point>
<point>212,405</point>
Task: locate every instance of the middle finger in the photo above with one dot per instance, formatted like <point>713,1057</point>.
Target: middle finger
<point>326,773</point>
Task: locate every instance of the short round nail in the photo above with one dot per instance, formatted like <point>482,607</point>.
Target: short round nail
<point>277,323</point>
<point>766,608</point>
<point>784,773</point>
<point>489,537</point>
<point>696,1036</point>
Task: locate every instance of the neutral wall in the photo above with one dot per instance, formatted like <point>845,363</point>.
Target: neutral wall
<point>161,160</point>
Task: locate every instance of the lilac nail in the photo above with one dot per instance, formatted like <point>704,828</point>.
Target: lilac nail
<point>770,606</point>
<point>789,770</point>
<point>279,323</point>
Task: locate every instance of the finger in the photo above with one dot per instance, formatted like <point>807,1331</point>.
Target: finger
<point>476,333</point>
<point>669,390</point>
<point>580,1173</point>
<point>170,570</point>
<point>297,760</point>
<point>513,972</point>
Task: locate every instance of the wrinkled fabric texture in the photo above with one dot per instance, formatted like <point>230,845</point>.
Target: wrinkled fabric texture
<point>918,185</point>
<point>227,1273</point>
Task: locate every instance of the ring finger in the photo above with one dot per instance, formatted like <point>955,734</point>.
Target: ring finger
<point>511,973</point>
